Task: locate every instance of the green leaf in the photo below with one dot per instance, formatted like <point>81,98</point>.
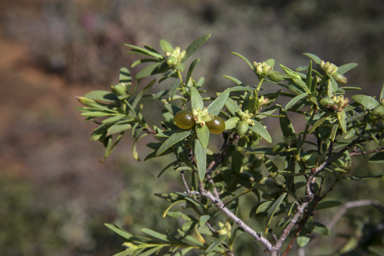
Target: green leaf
<point>215,243</point>
<point>346,67</point>
<point>237,161</point>
<point>334,84</point>
<point>231,123</point>
<point>309,77</point>
<point>314,57</point>
<point>201,159</point>
<point>148,71</point>
<point>235,80</point>
<point>327,204</point>
<point>134,151</point>
<point>113,119</point>
<point>377,158</point>
<point>101,95</point>
<point>275,207</point>
<point>263,207</point>
<point>119,231</point>
<point>155,234</point>
<point>194,46</point>
<point>270,62</point>
<point>318,122</point>
<point>382,93</point>
<point>245,59</point>
<point>202,133</point>
<point>376,249</point>
<point>196,100</point>
<point>295,100</point>
<point>203,219</point>
<point>165,46</point>
<point>125,75</point>
<point>367,101</point>
<point>260,130</point>
<point>232,106</point>
<point>141,93</point>
<point>172,140</point>
<point>174,88</point>
<point>141,61</point>
<point>271,167</point>
<point>286,125</point>
<point>95,114</point>
<point>317,227</point>
<point>215,107</point>
<point>191,68</point>
<point>172,109</point>
<point>144,51</point>
<point>302,241</point>
<point>117,128</point>
<point>151,251</point>
<point>341,116</point>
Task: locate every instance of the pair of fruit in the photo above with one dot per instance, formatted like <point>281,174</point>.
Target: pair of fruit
<point>184,120</point>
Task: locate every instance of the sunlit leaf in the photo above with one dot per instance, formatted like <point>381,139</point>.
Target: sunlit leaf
<point>260,130</point>
<point>346,67</point>
<point>232,106</point>
<point>314,57</point>
<point>165,46</point>
<point>202,133</point>
<point>101,95</point>
<point>215,243</point>
<point>365,100</point>
<point>201,159</point>
<point>215,107</point>
<point>194,46</point>
<point>231,123</point>
<point>341,116</point>
<point>148,71</point>
<point>245,59</point>
<point>172,140</point>
<point>295,100</point>
<point>196,100</point>
<point>275,206</point>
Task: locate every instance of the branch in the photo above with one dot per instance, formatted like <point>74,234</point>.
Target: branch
<point>354,204</point>
<point>219,204</point>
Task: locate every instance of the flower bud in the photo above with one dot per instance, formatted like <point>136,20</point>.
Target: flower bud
<point>171,61</point>
<point>276,76</point>
<point>118,89</point>
<point>339,78</point>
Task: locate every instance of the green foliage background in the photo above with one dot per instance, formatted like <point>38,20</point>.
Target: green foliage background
<point>82,42</point>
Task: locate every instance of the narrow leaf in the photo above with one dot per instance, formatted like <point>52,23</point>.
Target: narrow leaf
<point>318,228</point>
<point>367,101</point>
<point>196,100</point>
<point>145,51</point>
<point>341,116</point>
<point>194,46</point>
<point>295,100</point>
<point>260,129</point>
<point>232,106</point>
<point>215,243</point>
<point>327,204</point>
<point>148,71</point>
<point>101,95</point>
<point>245,59</point>
<point>191,68</point>
<point>202,133</point>
<point>274,208</point>
<point>215,107</point>
<point>125,75</point>
<point>346,67</point>
<point>377,158</point>
<point>314,57</point>
<point>155,234</point>
<point>172,140</point>
<point>201,159</point>
<point>165,46</point>
<point>119,231</point>
<point>117,128</point>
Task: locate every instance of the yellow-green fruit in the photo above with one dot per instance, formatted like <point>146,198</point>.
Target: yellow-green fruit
<point>171,61</point>
<point>216,125</point>
<point>340,78</point>
<point>242,127</point>
<point>119,89</point>
<point>378,111</point>
<point>184,119</point>
<point>327,102</point>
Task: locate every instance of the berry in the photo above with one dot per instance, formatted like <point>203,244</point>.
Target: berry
<point>216,125</point>
<point>184,119</point>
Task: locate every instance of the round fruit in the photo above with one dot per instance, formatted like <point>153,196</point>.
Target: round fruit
<point>216,125</point>
<point>242,128</point>
<point>378,111</point>
<point>184,119</point>
<point>327,102</point>
<point>171,61</point>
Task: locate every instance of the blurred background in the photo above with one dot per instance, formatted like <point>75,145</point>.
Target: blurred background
<point>54,193</point>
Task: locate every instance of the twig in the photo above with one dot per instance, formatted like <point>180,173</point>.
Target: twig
<point>185,182</point>
<point>362,153</point>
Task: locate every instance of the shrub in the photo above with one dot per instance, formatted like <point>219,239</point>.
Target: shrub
<point>288,196</point>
